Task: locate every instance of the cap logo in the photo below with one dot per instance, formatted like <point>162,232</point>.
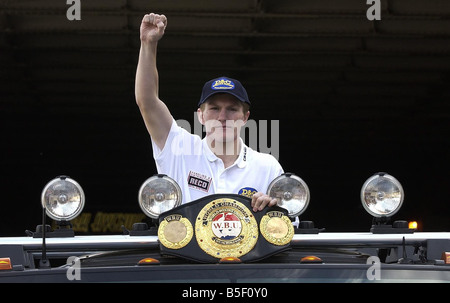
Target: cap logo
<point>222,84</point>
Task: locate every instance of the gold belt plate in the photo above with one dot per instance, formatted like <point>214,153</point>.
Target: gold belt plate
<point>226,228</point>
<point>276,228</point>
<point>175,231</point>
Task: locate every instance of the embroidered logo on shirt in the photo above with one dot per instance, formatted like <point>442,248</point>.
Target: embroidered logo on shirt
<point>199,181</point>
<point>247,192</point>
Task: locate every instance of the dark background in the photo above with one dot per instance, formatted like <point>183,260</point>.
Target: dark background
<point>353,97</point>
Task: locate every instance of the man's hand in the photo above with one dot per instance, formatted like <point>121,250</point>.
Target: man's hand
<point>261,200</point>
<point>152,27</point>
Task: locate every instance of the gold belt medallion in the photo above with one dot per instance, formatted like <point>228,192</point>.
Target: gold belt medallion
<point>226,228</point>
<point>175,231</point>
<point>276,228</point>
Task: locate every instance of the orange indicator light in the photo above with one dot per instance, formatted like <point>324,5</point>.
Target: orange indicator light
<point>311,259</point>
<point>148,261</point>
<point>5,264</point>
<point>413,225</point>
<point>230,260</point>
<point>446,257</point>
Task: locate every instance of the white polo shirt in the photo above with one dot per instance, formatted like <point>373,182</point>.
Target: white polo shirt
<point>199,172</point>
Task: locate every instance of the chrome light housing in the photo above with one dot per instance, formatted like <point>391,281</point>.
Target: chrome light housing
<point>63,199</point>
<point>158,194</point>
<point>292,193</point>
<point>382,195</point>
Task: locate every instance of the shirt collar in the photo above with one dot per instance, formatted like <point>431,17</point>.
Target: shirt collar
<point>243,155</point>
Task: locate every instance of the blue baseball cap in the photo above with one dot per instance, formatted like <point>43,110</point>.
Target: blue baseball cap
<point>223,85</point>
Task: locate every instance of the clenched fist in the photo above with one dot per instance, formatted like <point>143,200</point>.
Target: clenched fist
<point>152,27</point>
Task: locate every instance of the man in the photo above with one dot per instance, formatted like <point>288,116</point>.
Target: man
<point>219,163</point>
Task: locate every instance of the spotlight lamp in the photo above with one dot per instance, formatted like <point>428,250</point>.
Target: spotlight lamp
<point>293,195</point>
<point>382,196</point>
<point>291,192</point>
<point>158,194</point>
<point>63,199</point>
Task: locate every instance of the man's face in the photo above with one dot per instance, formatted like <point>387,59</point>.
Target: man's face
<point>223,116</point>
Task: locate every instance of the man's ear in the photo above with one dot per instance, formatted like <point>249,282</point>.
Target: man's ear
<point>246,116</point>
<point>200,116</point>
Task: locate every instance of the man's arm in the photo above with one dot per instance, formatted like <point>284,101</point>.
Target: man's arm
<point>155,113</point>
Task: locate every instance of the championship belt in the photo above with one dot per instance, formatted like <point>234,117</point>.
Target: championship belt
<point>224,225</point>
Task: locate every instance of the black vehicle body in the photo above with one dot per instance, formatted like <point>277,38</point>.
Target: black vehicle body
<point>311,256</point>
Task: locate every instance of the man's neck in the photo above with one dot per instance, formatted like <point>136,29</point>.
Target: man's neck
<point>228,152</point>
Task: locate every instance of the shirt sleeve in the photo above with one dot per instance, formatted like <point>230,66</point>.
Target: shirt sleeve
<point>158,154</point>
<point>177,147</point>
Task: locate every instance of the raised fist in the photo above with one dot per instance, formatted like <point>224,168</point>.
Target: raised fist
<point>152,27</point>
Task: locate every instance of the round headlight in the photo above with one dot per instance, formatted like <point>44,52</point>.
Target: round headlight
<point>382,195</point>
<point>63,199</point>
<point>292,193</point>
<point>158,194</point>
